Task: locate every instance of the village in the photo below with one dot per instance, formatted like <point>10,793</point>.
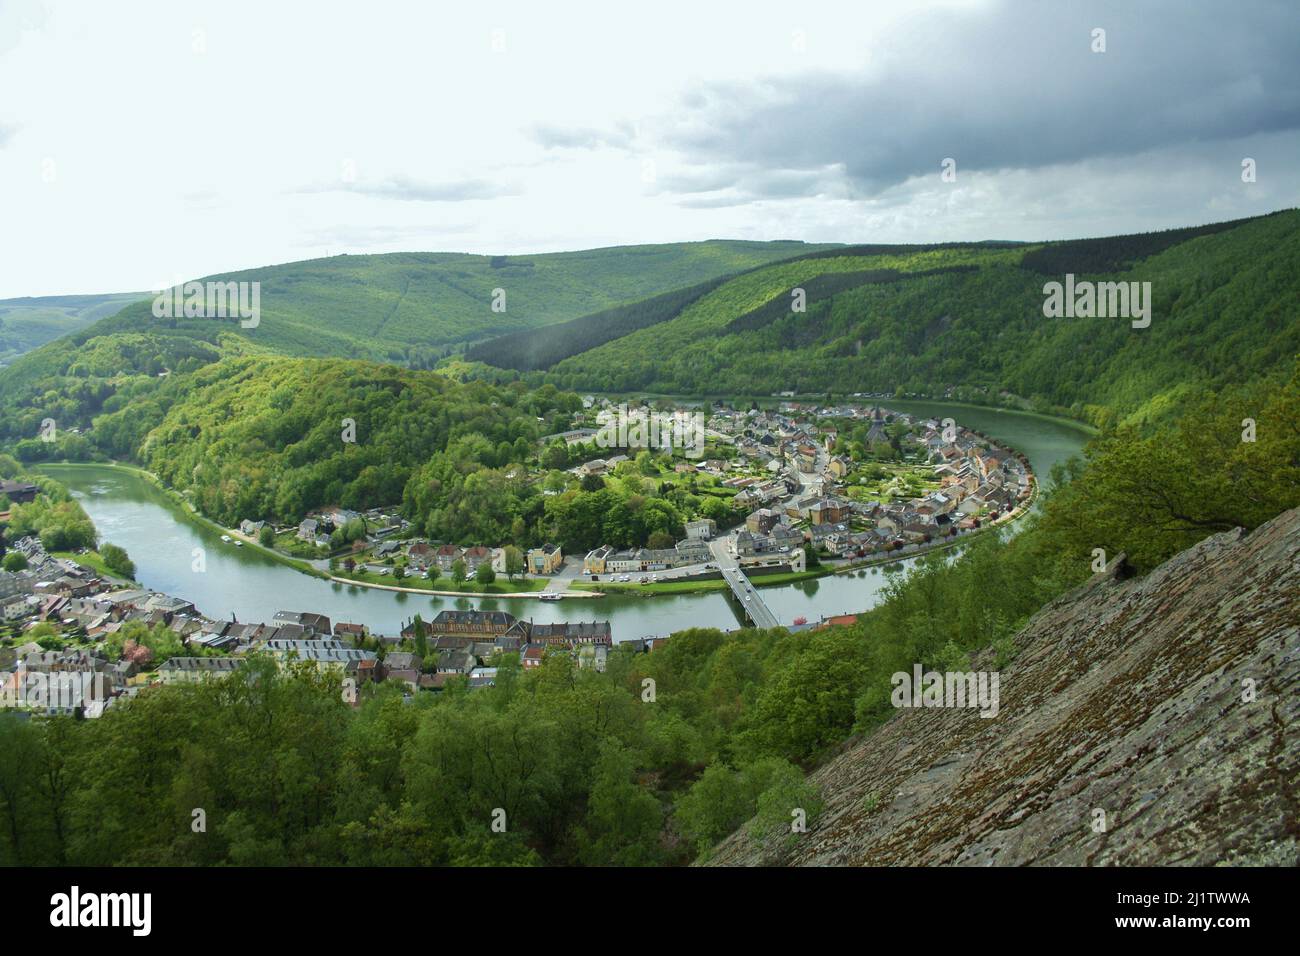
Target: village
<point>836,482</point>
<point>810,488</point>
<point>75,642</point>
<point>821,488</point>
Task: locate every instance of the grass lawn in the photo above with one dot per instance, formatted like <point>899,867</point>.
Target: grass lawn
<point>288,543</point>
<point>718,491</point>
<point>694,587</point>
<point>90,559</point>
<point>901,481</point>
<point>790,577</point>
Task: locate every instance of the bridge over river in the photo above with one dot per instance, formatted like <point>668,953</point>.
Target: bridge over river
<point>755,609</point>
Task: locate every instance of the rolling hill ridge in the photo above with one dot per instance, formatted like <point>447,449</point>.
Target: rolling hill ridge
<point>966,322</point>
<point>408,309</point>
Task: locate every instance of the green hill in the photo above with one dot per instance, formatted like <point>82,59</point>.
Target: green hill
<point>967,322</point>
<point>28,323</point>
<point>408,308</point>
<point>961,321</point>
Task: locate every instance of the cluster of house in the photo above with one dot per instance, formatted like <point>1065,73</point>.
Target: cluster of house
<point>786,469</point>
<point>85,681</point>
<point>384,539</point>
<point>691,550</point>
<point>439,559</point>
<point>318,526</point>
<point>977,482</point>
<point>467,640</point>
<point>44,576</point>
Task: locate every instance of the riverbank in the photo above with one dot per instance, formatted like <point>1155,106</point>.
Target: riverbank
<point>1066,421</point>
<point>824,571</point>
<point>575,589</point>
<point>827,570</point>
<point>297,564</point>
<point>535,595</point>
<point>250,585</point>
<point>178,500</point>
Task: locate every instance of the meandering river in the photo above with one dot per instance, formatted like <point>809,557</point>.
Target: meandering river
<point>161,539</point>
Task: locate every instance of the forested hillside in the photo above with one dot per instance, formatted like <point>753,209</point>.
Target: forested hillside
<point>272,437</point>
<point>406,308</point>
<point>28,323</point>
<point>409,309</point>
<point>541,348</point>
<point>412,307</point>
<point>967,322</point>
<point>586,768</point>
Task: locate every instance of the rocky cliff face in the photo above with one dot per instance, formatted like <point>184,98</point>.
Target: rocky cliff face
<point>1131,697</point>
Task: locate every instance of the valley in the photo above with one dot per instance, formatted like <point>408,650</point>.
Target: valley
<point>446,531</point>
<point>161,538</point>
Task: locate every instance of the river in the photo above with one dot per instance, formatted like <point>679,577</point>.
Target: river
<point>161,539</point>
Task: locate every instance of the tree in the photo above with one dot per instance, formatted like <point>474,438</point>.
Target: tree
<point>484,574</point>
<point>421,636</point>
<point>660,541</point>
<point>117,561</point>
<point>14,561</point>
<point>458,571</point>
<point>556,456</point>
<point>514,560</point>
<point>266,537</point>
<point>716,804</point>
<point>137,654</point>
<point>20,757</point>
<point>623,819</point>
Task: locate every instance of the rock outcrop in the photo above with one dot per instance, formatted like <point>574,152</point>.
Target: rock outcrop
<point>1167,702</point>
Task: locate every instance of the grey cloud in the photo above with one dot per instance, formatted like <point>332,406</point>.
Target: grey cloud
<point>406,189</point>
<point>1012,87</point>
<point>400,187</point>
<point>620,136</point>
<point>736,184</point>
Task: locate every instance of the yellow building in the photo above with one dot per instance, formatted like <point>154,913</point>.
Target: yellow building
<point>594,562</point>
<point>545,560</point>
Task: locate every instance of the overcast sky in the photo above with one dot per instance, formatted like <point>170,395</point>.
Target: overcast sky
<point>145,142</point>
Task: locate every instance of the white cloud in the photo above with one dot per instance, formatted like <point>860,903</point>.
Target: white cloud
<point>189,140</point>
